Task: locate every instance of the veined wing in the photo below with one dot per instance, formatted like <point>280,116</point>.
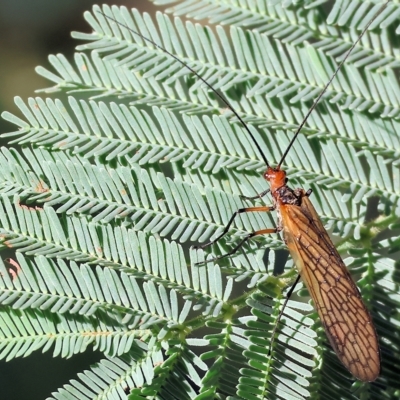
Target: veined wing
<point>337,299</point>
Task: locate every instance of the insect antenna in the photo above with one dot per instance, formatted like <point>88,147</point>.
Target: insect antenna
<point>198,76</point>
<point>316,101</point>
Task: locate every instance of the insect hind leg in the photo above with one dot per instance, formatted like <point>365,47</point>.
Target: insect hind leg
<point>289,293</point>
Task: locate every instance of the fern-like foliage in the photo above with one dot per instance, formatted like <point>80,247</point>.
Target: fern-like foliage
<point>107,189</point>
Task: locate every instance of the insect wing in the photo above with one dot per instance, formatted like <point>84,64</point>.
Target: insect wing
<point>337,299</point>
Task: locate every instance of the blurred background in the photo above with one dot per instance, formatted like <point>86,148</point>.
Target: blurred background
<point>29,32</point>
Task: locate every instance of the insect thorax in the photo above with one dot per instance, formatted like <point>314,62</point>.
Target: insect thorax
<point>286,195</point>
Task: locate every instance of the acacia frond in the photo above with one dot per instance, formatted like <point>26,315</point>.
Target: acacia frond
<point>104,193</point>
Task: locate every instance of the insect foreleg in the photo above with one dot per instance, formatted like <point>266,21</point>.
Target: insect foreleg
<point>242,242</point>
<point>258,196</point>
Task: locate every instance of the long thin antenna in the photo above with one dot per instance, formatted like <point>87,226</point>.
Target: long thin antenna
<point>220,95</point>
<point>316,101</point>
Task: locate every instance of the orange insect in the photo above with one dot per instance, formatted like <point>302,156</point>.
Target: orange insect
<point>337,299</point>
<point>347,321</point>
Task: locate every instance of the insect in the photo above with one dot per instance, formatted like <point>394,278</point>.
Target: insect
<point>347,322</point>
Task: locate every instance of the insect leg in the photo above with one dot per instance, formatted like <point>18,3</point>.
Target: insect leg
<point>258,196</point>
<point>289,293</point>
<point>235,214</point>
<point>242,242</point>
